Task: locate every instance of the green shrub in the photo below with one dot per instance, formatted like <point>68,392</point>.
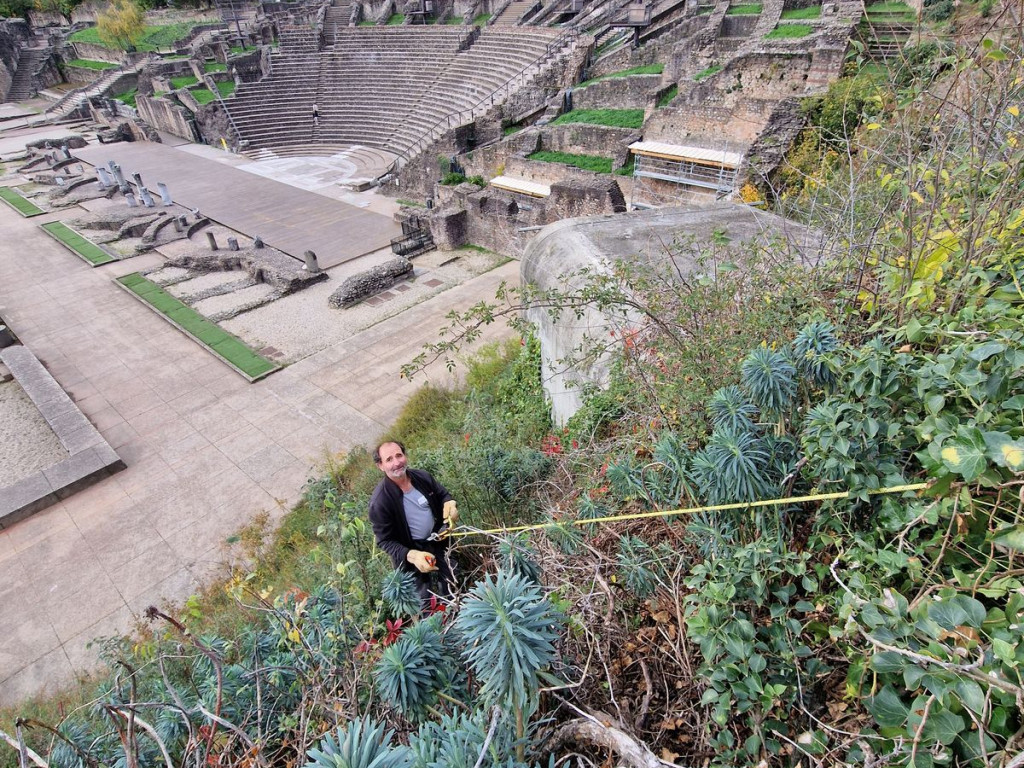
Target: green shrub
<point>937,10</point>
<point>615,118</point>
<point>452,178</point>
<point>477,180</point>
<point>584,162</point>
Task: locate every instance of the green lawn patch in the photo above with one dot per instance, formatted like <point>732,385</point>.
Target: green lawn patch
<point>795,14</point>
<point>747,9</point>
<point>90,64</point>
<point>19,203</point>
<point>482,19</point>
<point>585,162</point>
<point>508,130</point>
<point>77,244</point>
<point>237,49</point>
<point>367,24</point>
<point>396,19</point>
<point>214,66</point>
<point>647,69</point>
<point>613,118</point>
<point>227,346</point>
<point>454,20</point>
<point>667,96</point>
<point>627,169</point>
<point>184,81</point>
<point>714,69</point>
<point>128,97</point>
<point>789,32</point>
<point>205,95</point>
<point>153,38</point>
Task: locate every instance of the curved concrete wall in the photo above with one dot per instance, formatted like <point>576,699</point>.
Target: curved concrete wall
<point>555,258</point>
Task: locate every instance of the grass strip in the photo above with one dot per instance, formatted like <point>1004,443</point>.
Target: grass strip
<point>152,39</point>
<point>80,246</point>
<point>667,97</point>
<point>796,14</point>
<point>91,64</point>
<point>20,203</point>
<point>647,69</point>
<point>747,9</point>
<point>205,95</point>
<point>228,347</point>
<point>789,32</point>
<point>613,118</point>
<point>714,69</point>
<point>184,81</point>
<point>584,162</point>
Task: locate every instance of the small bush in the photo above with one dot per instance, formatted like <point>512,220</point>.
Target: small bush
<point>451,178</point>
<point>668,96</point>
<point>938,10</point>
<point>478,180</point>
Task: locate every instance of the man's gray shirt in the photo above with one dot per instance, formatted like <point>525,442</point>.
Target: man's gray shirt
<point>418,514</point>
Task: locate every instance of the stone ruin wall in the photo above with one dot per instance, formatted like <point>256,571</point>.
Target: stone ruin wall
<point>165,116</point>
<point>618,93</point>
<point>713,124</point>
<point>13,34</point>
<point>495,218</point>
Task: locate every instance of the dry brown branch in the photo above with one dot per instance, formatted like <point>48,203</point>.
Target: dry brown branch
<point>22,749</point>
<point>601,733</point>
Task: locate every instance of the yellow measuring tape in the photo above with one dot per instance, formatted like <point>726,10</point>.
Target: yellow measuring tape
<point>692,510</point>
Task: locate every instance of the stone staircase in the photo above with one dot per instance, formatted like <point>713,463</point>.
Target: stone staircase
<point>73,100</point>
<point>23,83</point>
<point>338,15</point>
<point>513,12</point>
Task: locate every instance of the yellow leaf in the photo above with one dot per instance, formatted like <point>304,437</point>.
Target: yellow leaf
<point>1014,110</point>
<point>917,196</point>
<point>950,455</point>
<point>1014,457</point>
<point>872,126</point>
<point>294,636</point>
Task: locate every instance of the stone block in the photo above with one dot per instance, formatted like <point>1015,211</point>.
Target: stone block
<point>372,281</point>
<point>24,498</point>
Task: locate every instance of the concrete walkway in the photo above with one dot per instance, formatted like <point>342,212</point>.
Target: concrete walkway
<point>205,450</point>
<point>290,219</point>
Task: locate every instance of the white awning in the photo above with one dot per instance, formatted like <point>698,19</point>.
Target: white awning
<point>684,153</point>
<point>522,186</point>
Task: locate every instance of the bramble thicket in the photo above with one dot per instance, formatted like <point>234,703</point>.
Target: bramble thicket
<point>884,628</point>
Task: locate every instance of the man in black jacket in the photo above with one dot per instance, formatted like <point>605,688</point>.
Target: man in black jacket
<point>405,508</point>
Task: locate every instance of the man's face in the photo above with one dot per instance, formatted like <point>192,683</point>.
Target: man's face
<point>392,460</point>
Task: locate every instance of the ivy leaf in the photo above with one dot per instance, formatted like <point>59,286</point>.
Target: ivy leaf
<point>943,727</point>
<point>888,661</point>
<point>1012,538</point>
<point>1004,451</point>
<point>971,695</point>
<point>975,611</point>
<point>965,454</point>
<point>1003,650</point>
<point>887,708</point>
<point>986,350</point>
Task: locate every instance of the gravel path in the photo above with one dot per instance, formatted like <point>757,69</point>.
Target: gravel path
<point>27,444</point>
<point>302,324</point>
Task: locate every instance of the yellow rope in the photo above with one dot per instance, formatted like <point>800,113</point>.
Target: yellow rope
<point>692,510</point>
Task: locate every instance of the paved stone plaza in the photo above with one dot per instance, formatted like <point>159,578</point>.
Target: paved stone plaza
<point>205,450</point>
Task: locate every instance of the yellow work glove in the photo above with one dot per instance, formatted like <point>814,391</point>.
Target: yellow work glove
<point>424,561</point>
<point>450,513</point>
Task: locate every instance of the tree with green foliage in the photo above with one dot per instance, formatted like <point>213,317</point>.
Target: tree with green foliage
<point>15,9</point>
<point>63,8</point>
<point>121,25</point>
